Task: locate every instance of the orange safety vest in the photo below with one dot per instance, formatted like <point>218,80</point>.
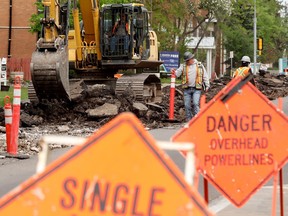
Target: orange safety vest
<point>242,71</point>
<point>199,76</point>
<point>116,26</point>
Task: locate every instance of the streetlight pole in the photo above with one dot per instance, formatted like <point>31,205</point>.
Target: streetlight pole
<point>255,38</point>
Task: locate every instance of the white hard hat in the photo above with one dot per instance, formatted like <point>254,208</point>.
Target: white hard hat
<point>246,59</point>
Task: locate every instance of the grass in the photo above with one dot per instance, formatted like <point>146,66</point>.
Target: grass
<point>10,93</point>
<point>168,80</point>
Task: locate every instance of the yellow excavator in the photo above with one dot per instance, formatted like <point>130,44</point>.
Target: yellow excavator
<point>92,52</point>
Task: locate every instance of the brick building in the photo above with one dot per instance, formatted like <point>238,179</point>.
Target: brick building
<point>16,40</point>
<point>17,43</point>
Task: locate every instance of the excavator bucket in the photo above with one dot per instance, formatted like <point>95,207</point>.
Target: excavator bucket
<point>50,75</point>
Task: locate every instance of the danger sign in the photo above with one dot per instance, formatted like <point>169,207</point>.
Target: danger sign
<point>118,171</point>
<point>239,140</point>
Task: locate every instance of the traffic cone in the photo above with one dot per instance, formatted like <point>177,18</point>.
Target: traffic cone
<point>15,116</point>
<point>172,95</point>
<point>8,123</point>
<point>16,121</point>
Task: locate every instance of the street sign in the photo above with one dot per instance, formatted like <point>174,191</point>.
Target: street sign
<point>170,59</point>
<point>119,170</point>
<point>240,139</point>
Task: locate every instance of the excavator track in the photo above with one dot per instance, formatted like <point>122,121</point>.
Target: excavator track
<point>145,87</point>
<point>50,74</point>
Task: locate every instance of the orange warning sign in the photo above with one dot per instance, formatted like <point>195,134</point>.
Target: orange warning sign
<point>119,170</point>
<point>239,137</point>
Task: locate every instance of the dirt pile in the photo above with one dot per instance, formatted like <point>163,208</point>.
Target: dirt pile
<point>38,119</point>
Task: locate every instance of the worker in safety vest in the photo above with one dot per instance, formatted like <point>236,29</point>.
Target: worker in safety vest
<point>194,80</point>
<point>120,35</point>
<point>244,70</point>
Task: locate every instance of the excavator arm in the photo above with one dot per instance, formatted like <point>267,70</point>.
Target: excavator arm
<point>54,28</point>
<point>87,47</point>
<point>49,63</point>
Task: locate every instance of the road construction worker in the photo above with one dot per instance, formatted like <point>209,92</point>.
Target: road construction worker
<point>244,70</point>
<point>194,80</point>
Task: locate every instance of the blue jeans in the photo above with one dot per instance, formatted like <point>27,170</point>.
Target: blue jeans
<point>191,94</point>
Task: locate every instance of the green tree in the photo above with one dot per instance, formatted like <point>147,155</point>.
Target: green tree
<point>35,26</point>
<point>172,23</point>
<point>177,21</point>
<point>238,29</point>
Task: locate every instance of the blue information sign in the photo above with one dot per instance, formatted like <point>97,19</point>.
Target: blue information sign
<point>170,59</point>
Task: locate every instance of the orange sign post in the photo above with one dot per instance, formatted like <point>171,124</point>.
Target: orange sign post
<point>239,137</point>
<point>119,170</point>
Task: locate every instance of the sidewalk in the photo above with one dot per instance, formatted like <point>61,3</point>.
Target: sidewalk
<point>258,205</point>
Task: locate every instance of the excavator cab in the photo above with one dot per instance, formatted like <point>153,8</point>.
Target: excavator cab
<point>124,31</point>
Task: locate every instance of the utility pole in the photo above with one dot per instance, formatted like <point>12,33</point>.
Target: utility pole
<point>255,38</point>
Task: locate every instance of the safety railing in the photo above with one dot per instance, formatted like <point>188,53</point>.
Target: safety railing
<point>187,148</point>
